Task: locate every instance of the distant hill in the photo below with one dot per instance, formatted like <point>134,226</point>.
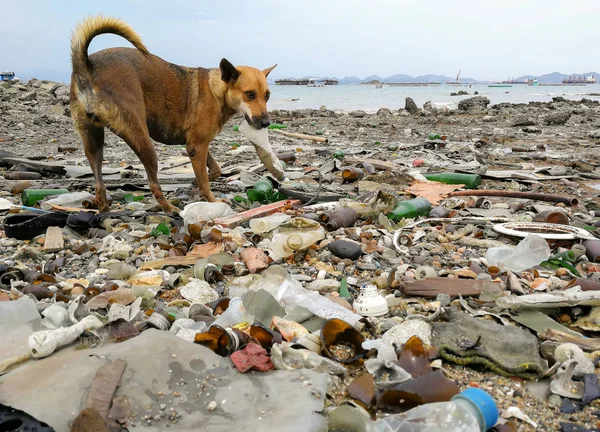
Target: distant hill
<point>372,78</point>
<point>350,80</point>
<point>554,77</point>
<point>399,78</point>
<point>551,78</point>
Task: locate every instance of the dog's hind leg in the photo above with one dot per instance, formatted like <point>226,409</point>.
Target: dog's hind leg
<point>135,134</point>
<point>214,170</point>
<point>93,145</point>
<point>197,149</point>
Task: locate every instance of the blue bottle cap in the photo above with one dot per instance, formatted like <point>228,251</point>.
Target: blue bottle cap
<point>484,403</point>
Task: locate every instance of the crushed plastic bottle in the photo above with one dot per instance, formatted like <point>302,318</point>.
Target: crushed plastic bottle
<point>71,199</point>
<point>530,252</point>
<point>295,235</point>
<point>205,211</point>
<point>268,223</point>
<point>472,410</point>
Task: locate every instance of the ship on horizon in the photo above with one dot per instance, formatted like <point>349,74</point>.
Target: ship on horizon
<point>581,79</point>
<point>306,81</point>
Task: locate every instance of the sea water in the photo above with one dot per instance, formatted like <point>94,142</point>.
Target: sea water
<point>369,98</point>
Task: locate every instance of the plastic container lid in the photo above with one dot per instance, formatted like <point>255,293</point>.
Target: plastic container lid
<point>484,403</point>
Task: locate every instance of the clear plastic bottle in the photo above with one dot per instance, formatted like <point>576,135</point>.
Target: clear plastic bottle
<point>295,235</point>
<point>268,223</point>
<point>71,199</point>
<point>530,252</point>
<point>472,410</point>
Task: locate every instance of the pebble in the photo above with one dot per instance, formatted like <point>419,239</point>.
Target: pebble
<point>212,406</point>
<point>345,249</point>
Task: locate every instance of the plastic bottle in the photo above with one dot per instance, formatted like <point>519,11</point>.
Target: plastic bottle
<point>71,199</point>
<point>410,209</point>
<point>295,235</point>
<point>434,136</point>
<point>472,410</point>
<point>471,181</point>
<point>268,223</point>
<point>30,196</point>
<point>530,252</point>
<point>205,211</point>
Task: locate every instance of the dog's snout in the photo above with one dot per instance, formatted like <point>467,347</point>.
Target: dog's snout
<point>261,122</point>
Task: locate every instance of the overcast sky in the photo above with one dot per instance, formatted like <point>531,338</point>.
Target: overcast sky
<point>487,39</point>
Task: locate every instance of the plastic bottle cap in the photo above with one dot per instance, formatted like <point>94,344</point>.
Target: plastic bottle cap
<point>294,241</point>
<point>484,403</point>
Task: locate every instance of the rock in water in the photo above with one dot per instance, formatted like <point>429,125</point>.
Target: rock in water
<point>476,103</point>
<point>411,106</point>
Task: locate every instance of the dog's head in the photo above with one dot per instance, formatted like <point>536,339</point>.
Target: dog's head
<point>247,92</point>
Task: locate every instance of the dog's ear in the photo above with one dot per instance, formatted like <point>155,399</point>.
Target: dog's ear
<point>268,71</point>
<point>229,73</point>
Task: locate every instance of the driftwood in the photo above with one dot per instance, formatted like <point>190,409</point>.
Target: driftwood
<point>266,210</point>
<point>432,287</point>
<point>586,344</point>
<point>301,136</point>
<point>54,240</point>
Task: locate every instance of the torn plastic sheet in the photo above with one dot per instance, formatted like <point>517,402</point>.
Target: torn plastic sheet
<point>569,297</point>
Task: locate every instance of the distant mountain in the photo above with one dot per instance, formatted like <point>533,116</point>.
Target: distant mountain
<point>398,78</point>
<point>350,80</point>
<point>554,77</point>
<point>432,78</point>
<point>551,78</point>
<point>372,78</point>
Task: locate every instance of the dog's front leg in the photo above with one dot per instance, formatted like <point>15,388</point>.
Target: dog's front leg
<point>198,152</point>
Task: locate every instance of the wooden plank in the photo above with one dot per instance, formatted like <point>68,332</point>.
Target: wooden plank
<point>266,210</point>
<point>54,241</point>
<point>454,287</point>
<point>586,344</point>
<point>301,136</point>
<point>378,164</point>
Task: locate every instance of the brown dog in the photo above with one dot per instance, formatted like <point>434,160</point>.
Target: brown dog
<point>139,96</point>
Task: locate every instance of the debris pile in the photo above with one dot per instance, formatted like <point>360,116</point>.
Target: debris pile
<point>376,277</point>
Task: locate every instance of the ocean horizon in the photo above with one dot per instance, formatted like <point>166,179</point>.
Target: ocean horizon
<point>368,98</point>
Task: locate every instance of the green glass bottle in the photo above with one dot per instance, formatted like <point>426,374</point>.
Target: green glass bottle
<point>277,126</point>
<point>236,128</point>
<point>261,191</point>
<point>434,136</point>
<point>568,256</point>
<point>339,154</point>
<point>410,209</point>
<point>471,181</point>
<point>31,196</point>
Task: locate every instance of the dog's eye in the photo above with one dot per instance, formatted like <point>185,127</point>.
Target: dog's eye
<point>250,95</point>
<point>267,96</point>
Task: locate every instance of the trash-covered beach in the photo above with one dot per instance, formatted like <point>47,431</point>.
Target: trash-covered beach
<point>407,256</point>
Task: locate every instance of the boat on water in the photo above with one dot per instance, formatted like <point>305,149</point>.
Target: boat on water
<point>574,79</point>
<point>315,82</point>
<point>513,81</point>
<point>8,76</point>
<point>500,85</point>
<point>533,82</point>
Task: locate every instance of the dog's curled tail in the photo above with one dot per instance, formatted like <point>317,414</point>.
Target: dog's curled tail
<point>93,26</point>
